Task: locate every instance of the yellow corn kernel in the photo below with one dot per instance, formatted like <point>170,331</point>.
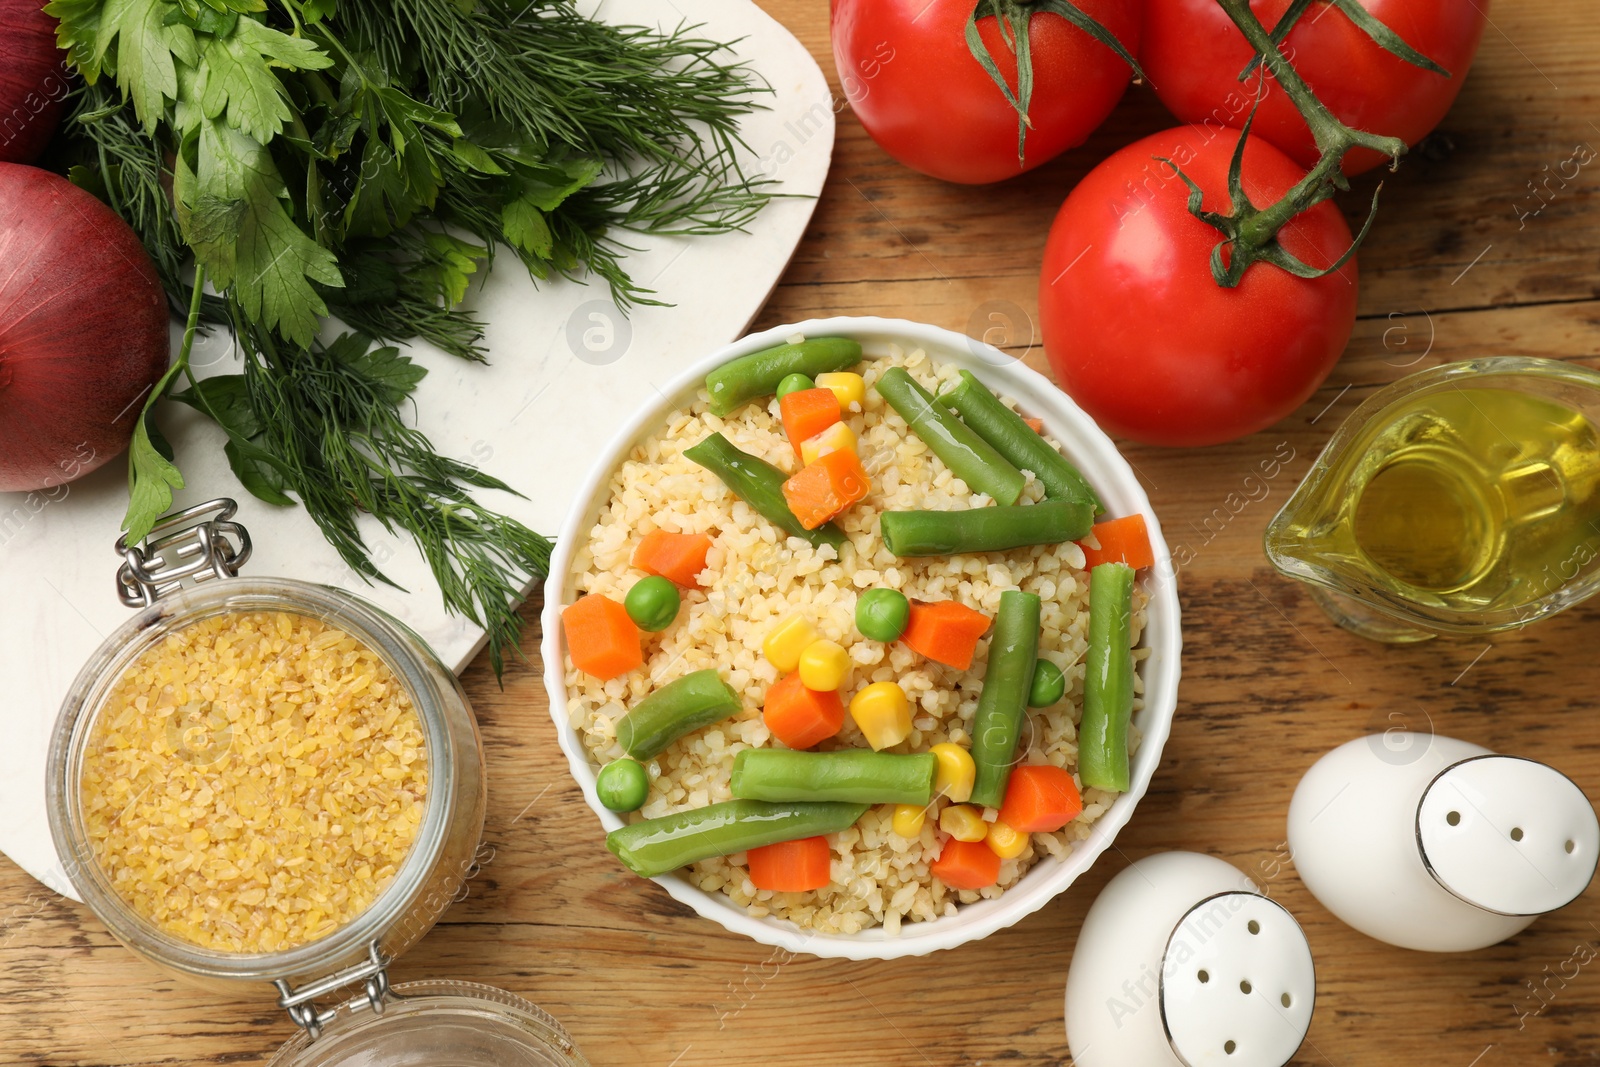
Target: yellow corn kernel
<point>883,713</point>
<point>835,438</point>
<point>848,387</point>
<point>785,642</point>
<point>953,779</point>
<point>824,665</point>
<point>1007,843</point>
<point>908,819</point>
<point>963,822</point>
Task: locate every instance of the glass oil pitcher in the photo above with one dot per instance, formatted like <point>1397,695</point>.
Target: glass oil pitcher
<point>1464,499</point>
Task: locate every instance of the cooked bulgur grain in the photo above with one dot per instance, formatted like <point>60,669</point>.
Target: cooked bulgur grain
<point>254,780</point>
<point>757,577</point>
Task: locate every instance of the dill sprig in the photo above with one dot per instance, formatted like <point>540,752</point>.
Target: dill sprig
<point>329,421</point>
<point>332,416</point>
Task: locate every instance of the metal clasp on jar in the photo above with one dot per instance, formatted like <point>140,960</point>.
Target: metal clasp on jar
<point>373,975</point>
<point>203,543</point>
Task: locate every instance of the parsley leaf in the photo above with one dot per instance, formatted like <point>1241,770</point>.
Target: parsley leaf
<point>240,80</point>
<point>231,206</point>
<point>150,35</point>
<point>152,476</point>
<point>389,374</point>
<point>226,399</point>
<point>525,227</point>
<point>450,267</point>
<point>78,30</point>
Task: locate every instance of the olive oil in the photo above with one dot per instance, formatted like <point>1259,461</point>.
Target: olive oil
<point>1460,508</point>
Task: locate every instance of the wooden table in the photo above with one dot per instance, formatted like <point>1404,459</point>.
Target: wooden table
<point>1448,273</point>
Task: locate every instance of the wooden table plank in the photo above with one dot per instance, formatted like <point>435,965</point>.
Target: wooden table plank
<point>1450,272</point>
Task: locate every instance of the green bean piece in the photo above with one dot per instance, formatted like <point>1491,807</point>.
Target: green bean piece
<point>759,484</point>
<point>1107,679</point>
<point>1003,703</point>
<point>1018,442</point>
<point>854,776</point>
<point>656,846</point>
<point>698,699</point>
<point>992,529</point>
<point>758,374</point>
<point>969,457</point>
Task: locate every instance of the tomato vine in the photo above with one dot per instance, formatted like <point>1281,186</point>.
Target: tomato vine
<point>1250,232</point>
<point>1013,17</point>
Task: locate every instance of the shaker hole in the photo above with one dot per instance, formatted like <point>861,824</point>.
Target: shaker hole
<point>1204,976</point>
<point>1286,1000</point>
<point>1454,818</point>
<point>1516,833</point>
<point>1228,1047</point>
<point>1244,987</point>
<point>1253,926</point>
<point>1570,845</point>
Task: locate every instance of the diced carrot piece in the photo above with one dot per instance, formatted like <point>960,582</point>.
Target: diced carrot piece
<point>1040,799</point>
<point>1036,425</point>
<point>806,413</point>
<point>827,487</point>
<point>676,556</point>
<point>945,631</point>
<point>1124,540</point>
<point>966,865</point>
<point>800,717</point>
<point>791,866</point>
<point>601,639</point>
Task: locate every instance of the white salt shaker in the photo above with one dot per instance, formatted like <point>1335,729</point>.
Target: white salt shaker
<point>1182,962</point>
<point>1441,845</point>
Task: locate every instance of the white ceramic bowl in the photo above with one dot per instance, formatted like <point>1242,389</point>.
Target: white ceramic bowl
<point>1094,455</point>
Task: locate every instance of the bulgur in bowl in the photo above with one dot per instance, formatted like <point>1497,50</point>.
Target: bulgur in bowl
<point>882,901</point>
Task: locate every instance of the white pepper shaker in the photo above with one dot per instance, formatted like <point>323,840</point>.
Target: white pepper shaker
<point>1440,845</point>
<point>1182,962</point>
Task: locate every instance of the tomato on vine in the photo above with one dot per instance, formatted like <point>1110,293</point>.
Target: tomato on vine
<point>1137,327</point>
<point>975,91</point>
<point>1194,54</point>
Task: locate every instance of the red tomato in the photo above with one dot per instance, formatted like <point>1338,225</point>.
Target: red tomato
<point>914,84</point>
<point>1193,54</point>
<point>1143,338</point>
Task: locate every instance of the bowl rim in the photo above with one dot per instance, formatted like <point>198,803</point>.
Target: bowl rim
<point>1162,634</point>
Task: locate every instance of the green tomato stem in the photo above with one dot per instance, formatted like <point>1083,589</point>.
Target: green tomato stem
<point>1250,233</point>
<point>1014,18</point>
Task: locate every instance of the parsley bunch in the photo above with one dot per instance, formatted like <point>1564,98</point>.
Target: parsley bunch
<point>364,159</point>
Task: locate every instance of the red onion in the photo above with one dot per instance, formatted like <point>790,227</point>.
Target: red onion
<point>33,80</point>
<point>83,330</point>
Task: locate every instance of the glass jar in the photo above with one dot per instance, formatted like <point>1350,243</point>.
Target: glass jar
<point>433,1023</point>
<point>181,576</point>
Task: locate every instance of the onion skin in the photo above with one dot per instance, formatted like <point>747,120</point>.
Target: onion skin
<point>33,80</point>
<point>83,330</point>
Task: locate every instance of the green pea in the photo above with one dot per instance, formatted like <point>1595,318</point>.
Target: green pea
<point>1049,685</point>
<point>793,383</point>
<point>882,614</point>
<point>652,603</point>
<point>623,785</point>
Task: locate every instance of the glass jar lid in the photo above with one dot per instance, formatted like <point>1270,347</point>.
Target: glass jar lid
<point>436,1024</point>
